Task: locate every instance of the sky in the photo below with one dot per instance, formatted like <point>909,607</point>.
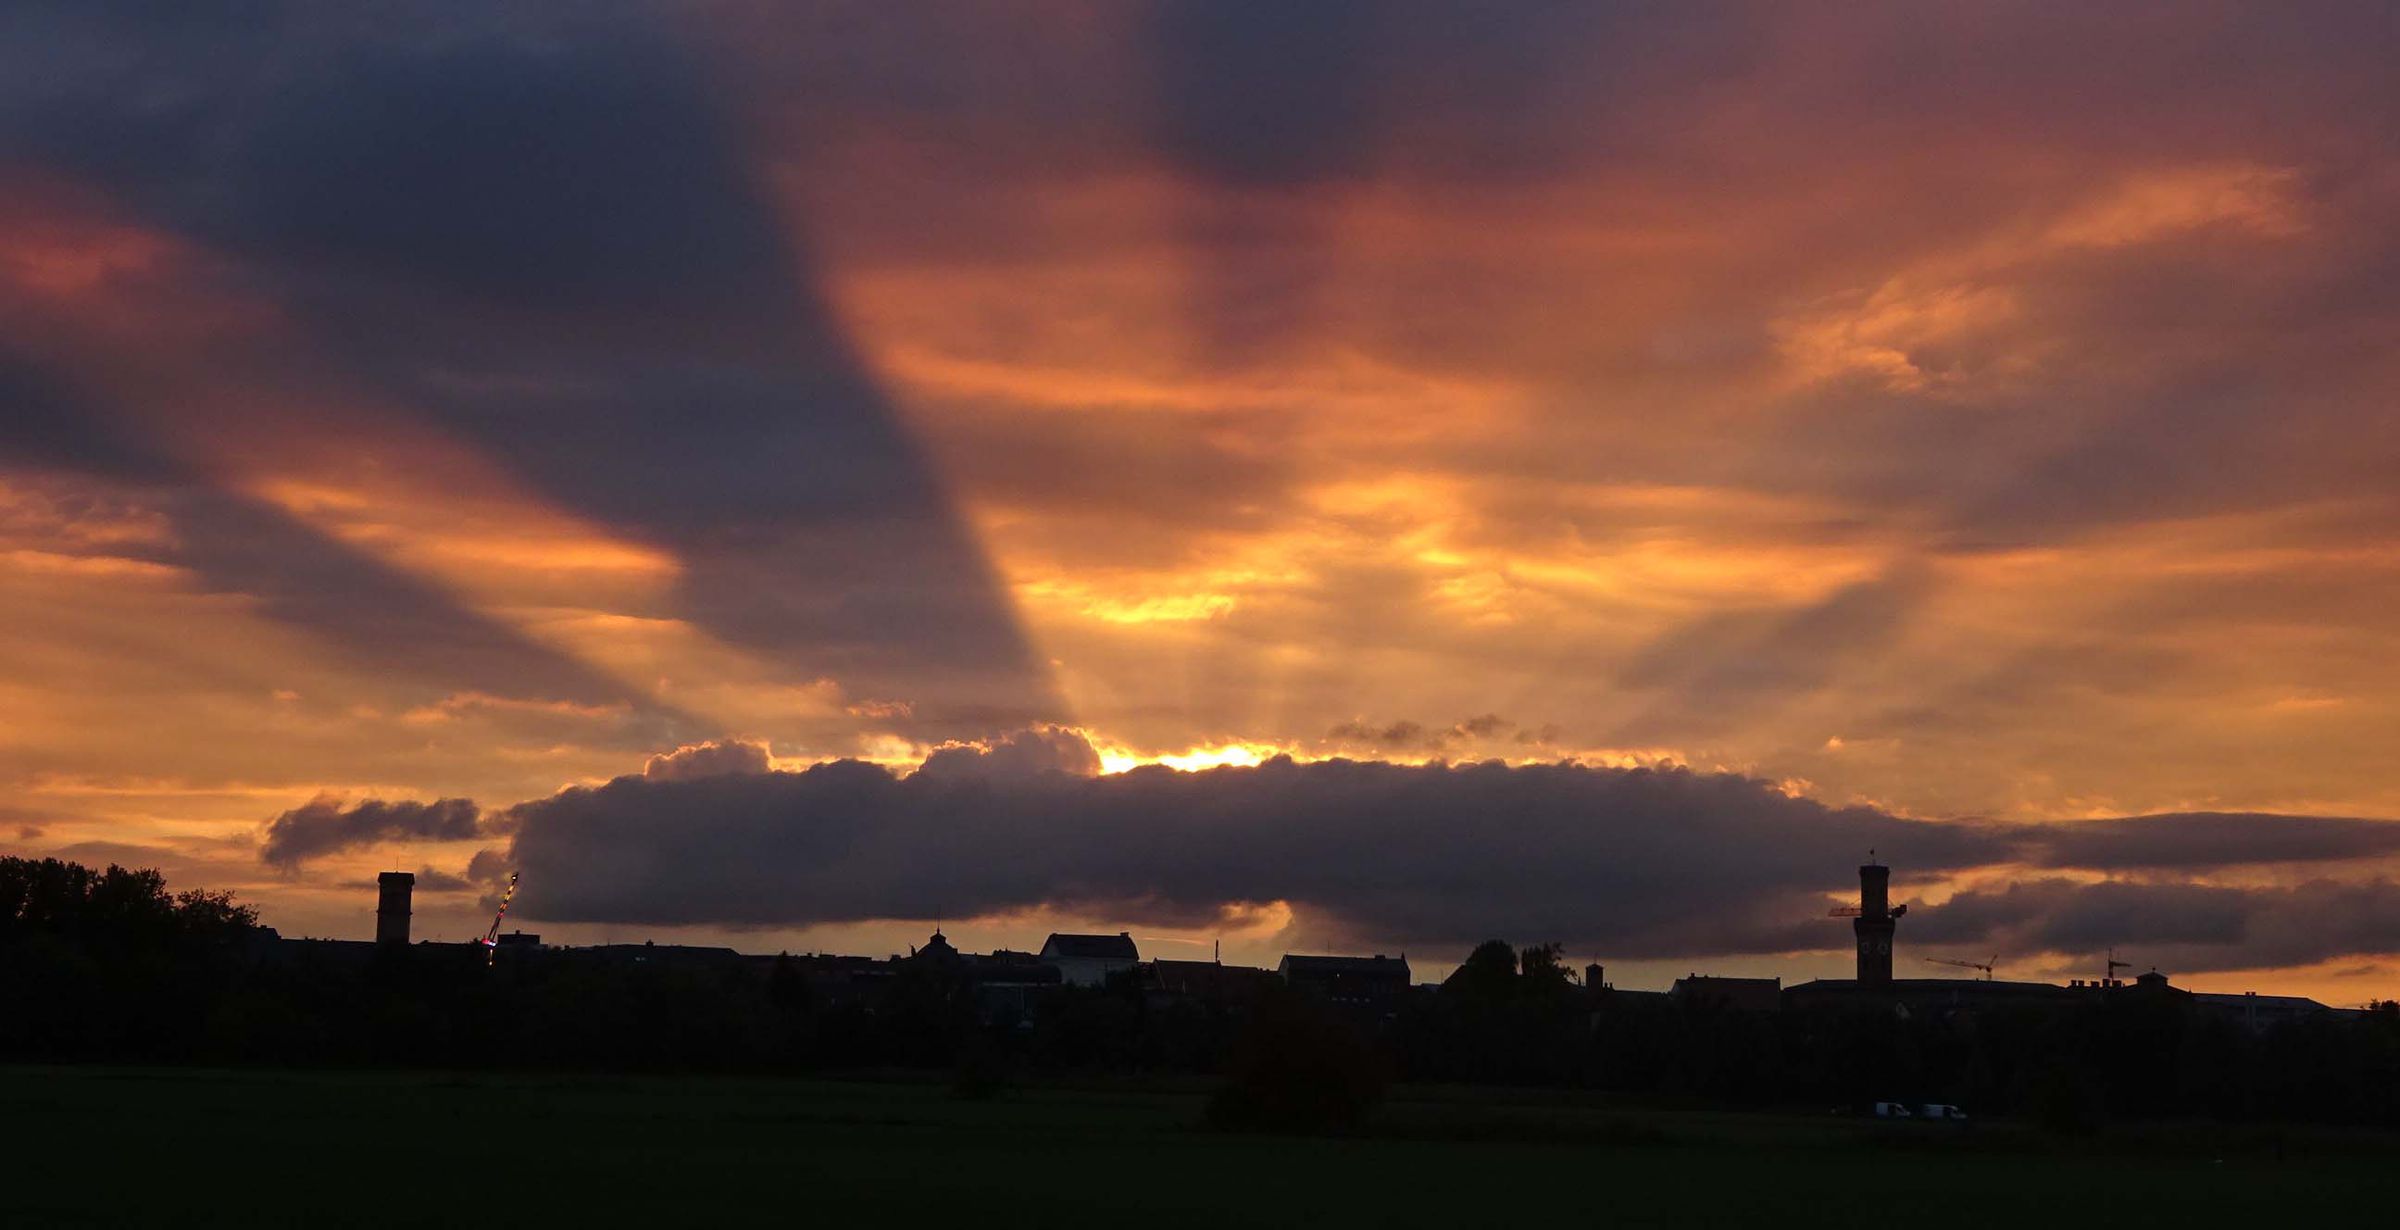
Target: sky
<point>1328,477</point>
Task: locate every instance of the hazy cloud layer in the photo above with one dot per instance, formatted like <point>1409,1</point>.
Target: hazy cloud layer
<point>2201,840</point>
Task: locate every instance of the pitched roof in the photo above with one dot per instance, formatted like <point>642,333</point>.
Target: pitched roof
<point>1328,967</point>
<point>1101,947</point>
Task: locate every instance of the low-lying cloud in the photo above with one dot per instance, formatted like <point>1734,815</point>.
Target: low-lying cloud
<point>1648,861</point>
<point>1638,863</point>
<point>2177,926</point>
<point>324,826</point>
<point>429,880</point>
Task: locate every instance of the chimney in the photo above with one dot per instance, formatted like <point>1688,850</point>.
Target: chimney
<point>391,908</point>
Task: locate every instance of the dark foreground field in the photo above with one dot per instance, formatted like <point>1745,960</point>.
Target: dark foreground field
<point>98,1146</point>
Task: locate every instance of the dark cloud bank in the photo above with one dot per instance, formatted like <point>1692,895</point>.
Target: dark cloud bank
<point>1636,863</point>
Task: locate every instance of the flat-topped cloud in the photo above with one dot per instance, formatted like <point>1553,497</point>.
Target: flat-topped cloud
<point>1651,862</point>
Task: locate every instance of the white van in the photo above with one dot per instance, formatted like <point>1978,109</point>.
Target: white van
<point>1941,1110</point>
<point>1892,1110</point>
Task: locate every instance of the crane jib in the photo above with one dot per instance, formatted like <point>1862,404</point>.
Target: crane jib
<point>491,938</point>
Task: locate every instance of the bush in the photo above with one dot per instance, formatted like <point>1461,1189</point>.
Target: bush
<point>1298,1068</point>
<point>981,1072</point>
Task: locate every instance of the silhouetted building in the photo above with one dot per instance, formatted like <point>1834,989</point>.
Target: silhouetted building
<point>1004,986</point>
<point>1010,984</point>
<point>841,982</point>
<point>1207,982</point>
<point>393,891</point>
<point>937,950</point>
<point>660,956</point>
<point>2252,1011</point>
<point>1948,995</point>
<point>1088,960</point>
<point>1602,996</point>
<point>1375,981</point>
<point>1736,994</point>
<point>2260,1013</point>
<point>1934,995</point>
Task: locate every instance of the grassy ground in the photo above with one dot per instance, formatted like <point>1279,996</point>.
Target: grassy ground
<point>112,1146</point>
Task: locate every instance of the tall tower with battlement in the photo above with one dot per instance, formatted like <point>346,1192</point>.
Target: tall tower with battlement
<point>1875,924</point>
<point>391,908</point>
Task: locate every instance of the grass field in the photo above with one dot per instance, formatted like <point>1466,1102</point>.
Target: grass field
<point>113,1146</point>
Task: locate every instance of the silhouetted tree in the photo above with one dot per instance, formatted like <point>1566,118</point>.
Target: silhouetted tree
<point>1503,1016</point>
<point>1488,974</point>
<point>1541,972</point>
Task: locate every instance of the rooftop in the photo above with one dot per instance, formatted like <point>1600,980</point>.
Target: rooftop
<point>1378,965</point>
<point>1091,947</point>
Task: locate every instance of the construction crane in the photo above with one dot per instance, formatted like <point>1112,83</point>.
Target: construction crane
<point>491,938</point>
<point>1985,966</point>
<point>2113,966</point>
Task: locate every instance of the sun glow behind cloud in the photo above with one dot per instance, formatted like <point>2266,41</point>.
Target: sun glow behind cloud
<point>1192,760</point>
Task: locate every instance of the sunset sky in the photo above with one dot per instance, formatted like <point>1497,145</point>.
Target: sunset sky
<point>1685,444</point>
